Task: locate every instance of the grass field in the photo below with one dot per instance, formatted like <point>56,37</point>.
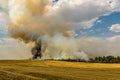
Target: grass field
<point>57,70</point>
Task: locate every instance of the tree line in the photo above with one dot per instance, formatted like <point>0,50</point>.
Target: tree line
<point>103,59</point>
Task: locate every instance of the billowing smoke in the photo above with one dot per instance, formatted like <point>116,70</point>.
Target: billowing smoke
<point>61,47</point>
<point>51,26</point>
<point>33,21</point>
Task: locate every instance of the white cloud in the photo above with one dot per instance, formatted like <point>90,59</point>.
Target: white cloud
<point>99,21</point>
<point>114,39</point>
<point>3,11</point>
<point>83,32</point>
<point>86,24</point>
<point>4,21</point>
<point>115,28</point>
<point>4,18</point>
<point>84,12</point>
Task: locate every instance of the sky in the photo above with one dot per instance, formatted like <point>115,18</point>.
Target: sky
<point>101,27</point>
<point>98,19</point>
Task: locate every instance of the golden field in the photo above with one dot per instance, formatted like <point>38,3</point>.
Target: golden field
<point>57,70</point>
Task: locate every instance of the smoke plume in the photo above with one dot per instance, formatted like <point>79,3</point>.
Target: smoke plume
<point>33,21</point>
<point>52,26</point>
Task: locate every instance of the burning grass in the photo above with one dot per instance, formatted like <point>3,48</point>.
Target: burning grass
<point>57,70</point>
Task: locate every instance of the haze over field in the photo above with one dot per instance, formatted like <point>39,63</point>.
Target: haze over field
<point>65,28</point>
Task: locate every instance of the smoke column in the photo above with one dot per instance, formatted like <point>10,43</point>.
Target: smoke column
<point>51,29</point>
<point>32,21</point>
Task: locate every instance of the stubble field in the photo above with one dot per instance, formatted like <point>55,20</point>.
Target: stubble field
<point>57,70</point>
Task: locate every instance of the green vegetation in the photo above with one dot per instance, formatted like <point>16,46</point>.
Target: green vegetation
<point>106,59</point>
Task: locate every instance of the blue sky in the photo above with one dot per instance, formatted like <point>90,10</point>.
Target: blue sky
<point>101,26</point>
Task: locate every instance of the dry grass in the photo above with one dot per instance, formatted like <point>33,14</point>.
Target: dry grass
<point>57,70</point>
